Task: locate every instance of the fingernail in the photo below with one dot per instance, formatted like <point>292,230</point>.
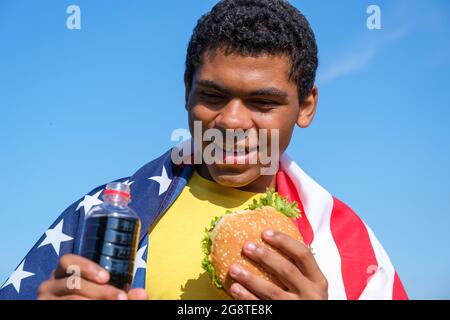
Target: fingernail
<point>269,233</point>
<point>250,246</point>
<point>122,296</point>
<point>235,270</point>
<point>102,275</point>
<point>235,289</point>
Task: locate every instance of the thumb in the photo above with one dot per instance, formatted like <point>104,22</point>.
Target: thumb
<point>137,294</point>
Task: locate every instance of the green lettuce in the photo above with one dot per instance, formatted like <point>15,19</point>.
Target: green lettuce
<point>272,199</point>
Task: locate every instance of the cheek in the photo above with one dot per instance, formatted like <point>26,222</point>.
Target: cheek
<point>282,121</point>
<point>203,114</point>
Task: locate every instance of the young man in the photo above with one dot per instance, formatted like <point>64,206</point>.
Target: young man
<point>250,65</point>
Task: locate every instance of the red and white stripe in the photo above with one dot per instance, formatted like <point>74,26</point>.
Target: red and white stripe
<point>347,251</point>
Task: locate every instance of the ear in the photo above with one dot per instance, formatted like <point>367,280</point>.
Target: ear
<point>186,97</point>
<point>308,108</point>
<point>187,90</point>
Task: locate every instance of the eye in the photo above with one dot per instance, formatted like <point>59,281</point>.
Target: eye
<point>263,104</point>
<point>211,97</point>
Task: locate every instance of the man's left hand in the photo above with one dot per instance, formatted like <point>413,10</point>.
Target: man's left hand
<point>295,268</point>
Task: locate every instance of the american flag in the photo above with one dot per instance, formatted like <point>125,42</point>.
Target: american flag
<point>347,251</point>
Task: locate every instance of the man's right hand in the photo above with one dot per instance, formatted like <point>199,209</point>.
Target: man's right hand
<point>91,284</point>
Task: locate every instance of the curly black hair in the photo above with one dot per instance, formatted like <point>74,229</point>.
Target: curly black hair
<point>254,27</point>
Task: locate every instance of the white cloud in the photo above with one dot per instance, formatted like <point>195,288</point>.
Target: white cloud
<point>360,56</point>
<point>349,64</point>
<point>405,16</point>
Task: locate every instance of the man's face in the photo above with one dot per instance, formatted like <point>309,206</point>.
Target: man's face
<point>248,93</point>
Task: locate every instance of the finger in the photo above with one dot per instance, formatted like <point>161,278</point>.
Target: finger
<point>85,288</point>
<point>137,294</point>
<point>238,292</point>
<point>256,285</point>
<point>71,297</point>
<point>53,297</point>
<point>89,270</point>
<point>297,251</point>
<point>287,272</point>
<point>46,297</point>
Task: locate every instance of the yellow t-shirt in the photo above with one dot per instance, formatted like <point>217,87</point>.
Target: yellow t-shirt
<point>175,253</point>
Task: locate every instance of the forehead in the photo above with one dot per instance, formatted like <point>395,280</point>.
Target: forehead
<point>245,72</point>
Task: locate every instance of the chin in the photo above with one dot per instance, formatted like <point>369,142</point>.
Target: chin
<point>234,177</point>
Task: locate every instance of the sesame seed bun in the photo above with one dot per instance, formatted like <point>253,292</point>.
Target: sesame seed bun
<point>234,229</point>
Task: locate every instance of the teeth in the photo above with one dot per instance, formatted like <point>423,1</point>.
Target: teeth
<point>225,148</point>
<point>236,149</point>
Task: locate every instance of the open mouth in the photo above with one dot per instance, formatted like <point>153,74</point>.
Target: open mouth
<point>237,154</point>
<point>235,149</point>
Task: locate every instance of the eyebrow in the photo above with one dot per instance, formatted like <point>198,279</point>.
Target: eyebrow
<point>270,91</point>
<point>212,85</point>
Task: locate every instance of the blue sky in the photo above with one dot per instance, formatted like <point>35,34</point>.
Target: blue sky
<point>79,108</point>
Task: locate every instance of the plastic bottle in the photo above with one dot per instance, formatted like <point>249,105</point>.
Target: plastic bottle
<point>111,234</point>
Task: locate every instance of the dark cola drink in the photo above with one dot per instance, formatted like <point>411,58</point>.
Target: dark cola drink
<point>111,234</point>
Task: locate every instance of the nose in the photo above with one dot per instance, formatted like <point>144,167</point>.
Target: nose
<point>234,115</point>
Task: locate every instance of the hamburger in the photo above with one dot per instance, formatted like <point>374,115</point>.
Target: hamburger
<point>226,236</point>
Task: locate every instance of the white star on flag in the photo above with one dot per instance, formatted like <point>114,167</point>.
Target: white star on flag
<point>89,202</point>
<point>128,182</point>
<point>139,262</point>
<point>163,181</point>
<point>17,276</point>
<point>55,236</point>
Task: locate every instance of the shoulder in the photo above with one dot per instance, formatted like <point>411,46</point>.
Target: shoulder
<point>367,270</point>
